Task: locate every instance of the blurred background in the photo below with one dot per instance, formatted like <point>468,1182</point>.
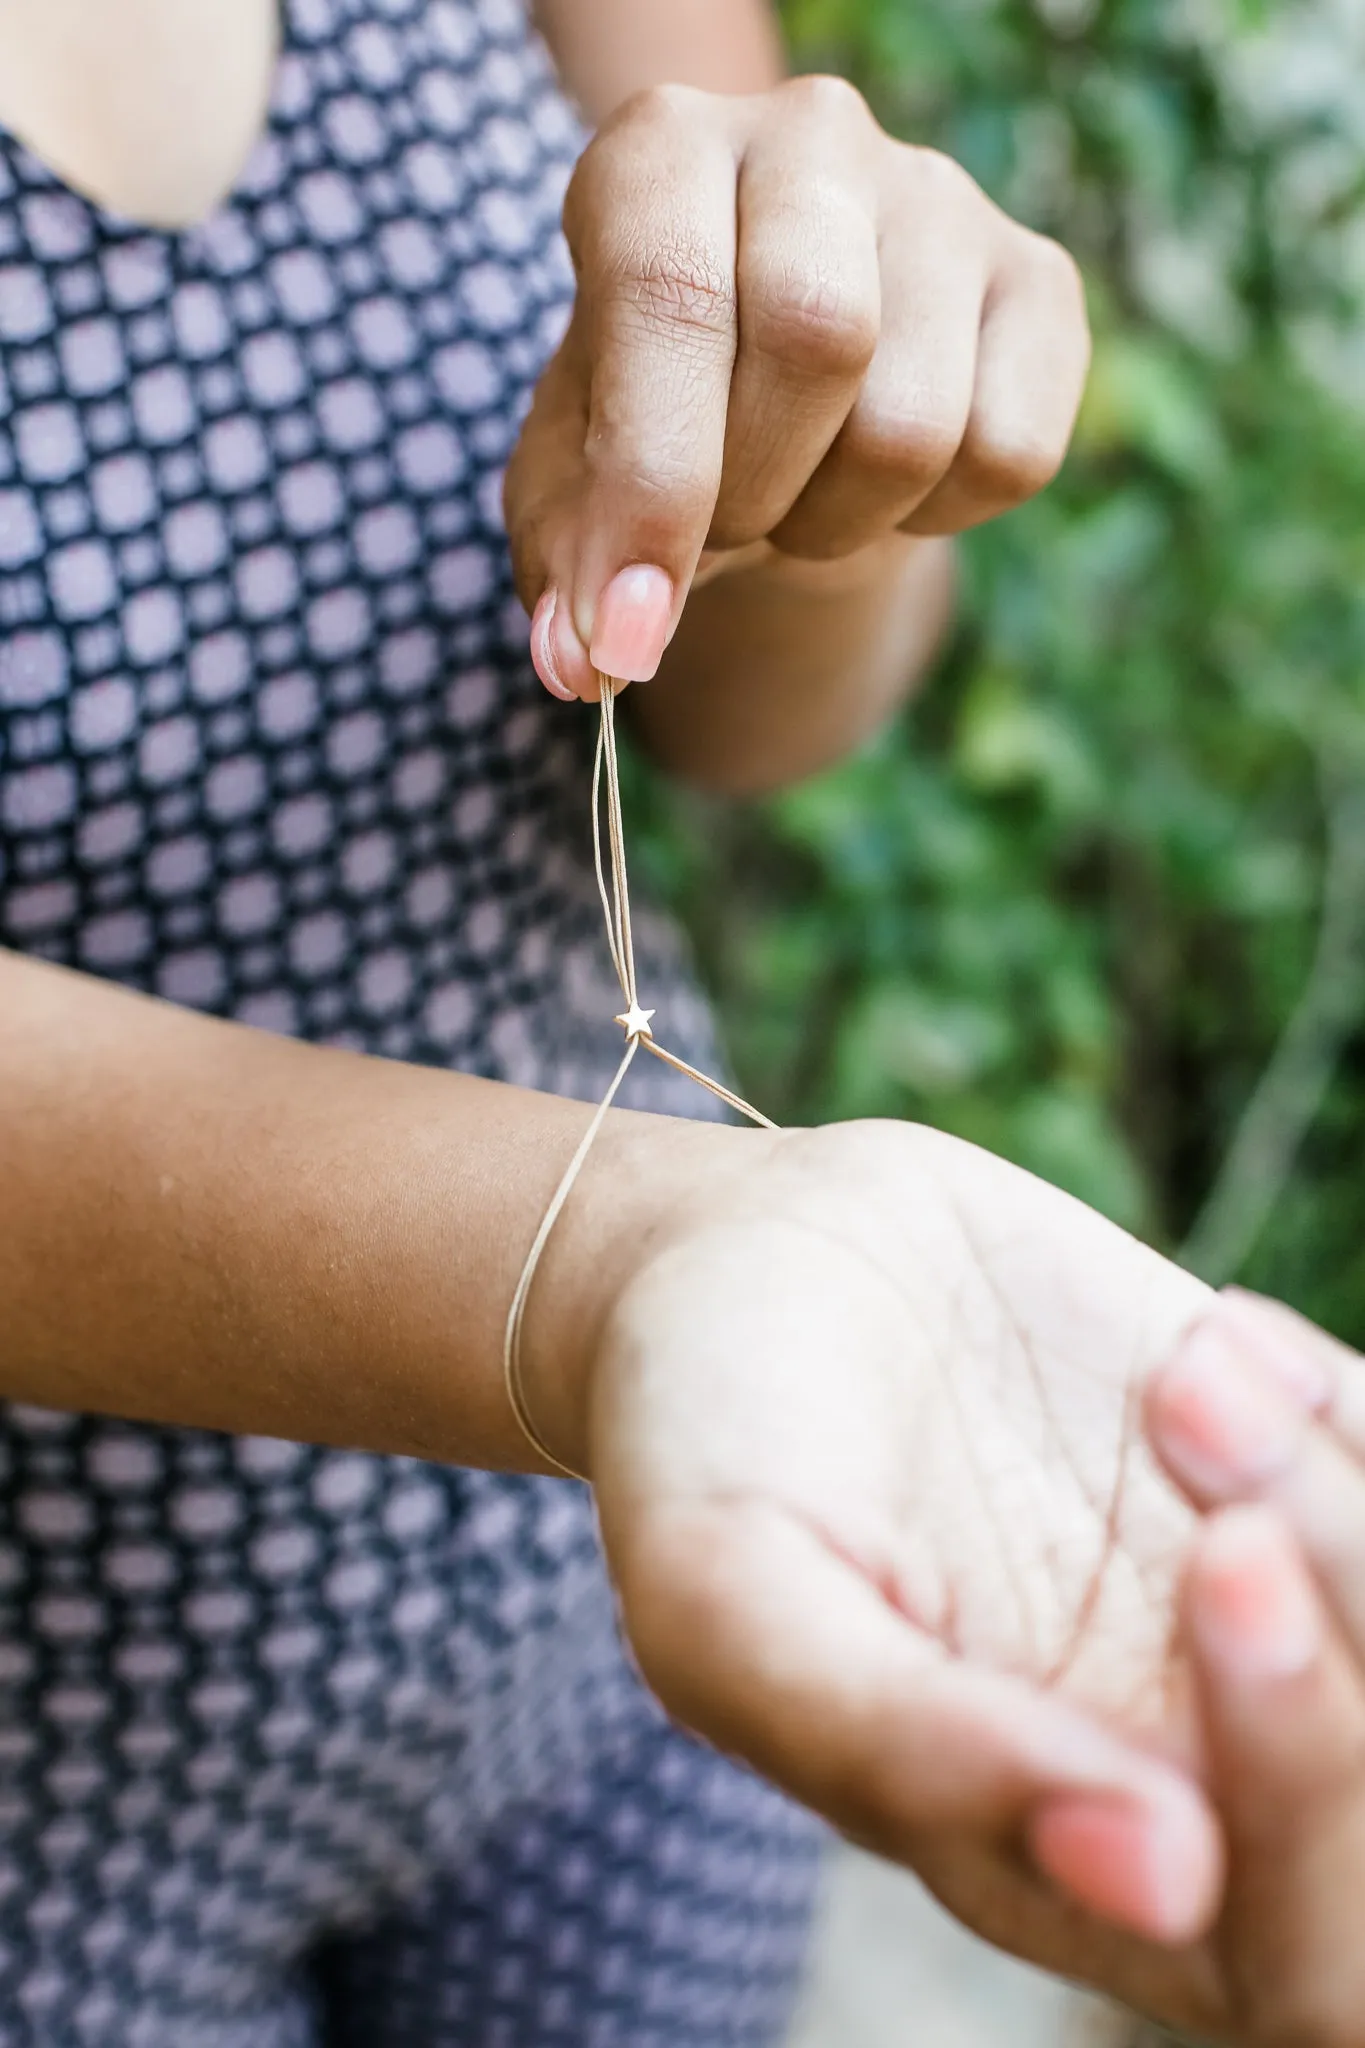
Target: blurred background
<point>1098,901</point>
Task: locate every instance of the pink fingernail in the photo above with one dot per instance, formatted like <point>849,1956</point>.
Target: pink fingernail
<point>1221,1422</point>
<point>631,629</point>
<point>1253,1608</point>
<point>543,653</point>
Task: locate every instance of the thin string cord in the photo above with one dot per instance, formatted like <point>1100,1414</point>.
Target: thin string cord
<point>634,1021</point>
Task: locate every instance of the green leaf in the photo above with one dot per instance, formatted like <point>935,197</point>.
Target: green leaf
<point>1142,397</point>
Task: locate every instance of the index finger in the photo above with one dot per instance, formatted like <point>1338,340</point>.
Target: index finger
<point>651,224</point>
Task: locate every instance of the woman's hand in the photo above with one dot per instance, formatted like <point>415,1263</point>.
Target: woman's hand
<point>1261,1420</point>
<point>864,1433</point>
<point>790,332</point>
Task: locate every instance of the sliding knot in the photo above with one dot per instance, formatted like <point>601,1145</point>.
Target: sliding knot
<point>635,1022</point>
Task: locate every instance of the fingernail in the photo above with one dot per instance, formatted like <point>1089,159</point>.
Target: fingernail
<point>1280,1348</point>
<point>1151,1871</point>
<point>543,653</point>
<point>1252,1607</point>
<point>631,628</point>
<point>1218,1419</point>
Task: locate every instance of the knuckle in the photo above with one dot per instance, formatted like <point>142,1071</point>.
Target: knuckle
<point>658,107</point>
<point>816,325</point>
<point>902,447</point>
<point>662,484</point>
<point>942,181</point>
<point>636,150</point>
<point>1056,270</point>
<point>681,287</point>
<point>1038,282</point>
<point>653,116</point>
<point>1054,282</point>
<point>1008,462</point>
<point>828,99</point>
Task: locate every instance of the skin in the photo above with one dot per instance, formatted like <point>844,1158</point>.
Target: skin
<point>798,349</point>
<point>821,1359</point>
<point>860,1405</point>
<point>1260,1419</point>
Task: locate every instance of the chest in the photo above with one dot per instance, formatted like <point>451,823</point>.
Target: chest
<point>273,422</point>
<point>254,605</point>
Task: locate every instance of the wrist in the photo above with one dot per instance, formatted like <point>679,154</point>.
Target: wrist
<point>642,1171</point>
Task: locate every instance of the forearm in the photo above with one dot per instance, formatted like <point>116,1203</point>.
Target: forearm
<point>780,668</point>
<point>206,1225</point>
<point>608,49</point>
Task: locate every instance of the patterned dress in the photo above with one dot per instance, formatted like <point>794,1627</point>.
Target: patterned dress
<point>300,1746</point>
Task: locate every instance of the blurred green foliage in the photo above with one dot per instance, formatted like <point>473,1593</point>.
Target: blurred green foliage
<point>1098,901</point>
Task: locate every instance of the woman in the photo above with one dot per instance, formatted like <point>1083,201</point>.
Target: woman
<point>304,1744</point>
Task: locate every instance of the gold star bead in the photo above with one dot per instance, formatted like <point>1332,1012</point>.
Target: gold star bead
<point>635,1022</point>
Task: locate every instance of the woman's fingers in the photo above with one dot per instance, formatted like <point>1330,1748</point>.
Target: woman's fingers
<point>611,489</point>
<point>651,223</point>
<point>970,400</point>
<point>1031,363</point>
<point>1284,1716</point>
<point>728,307</point>
<point>787,327</point>
<point>809,299</point>
<point>756,1633</point>
<point>1230,1427</point>
<point>904,433</point>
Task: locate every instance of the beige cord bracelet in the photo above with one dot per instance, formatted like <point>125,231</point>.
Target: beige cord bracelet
<point>634,1021</point>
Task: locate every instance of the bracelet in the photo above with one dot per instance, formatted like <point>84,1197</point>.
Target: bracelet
<point>634,1021</point>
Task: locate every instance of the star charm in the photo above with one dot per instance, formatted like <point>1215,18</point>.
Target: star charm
<point>635,1022</point>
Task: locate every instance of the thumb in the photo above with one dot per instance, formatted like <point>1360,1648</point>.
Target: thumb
<point>567,569</point>
<point>544,485</point>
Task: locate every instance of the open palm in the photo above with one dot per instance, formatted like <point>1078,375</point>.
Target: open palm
<point>868,1454</point>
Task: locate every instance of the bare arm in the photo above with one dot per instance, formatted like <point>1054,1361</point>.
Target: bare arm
<point>608,49</point>
<point>208,1225</point>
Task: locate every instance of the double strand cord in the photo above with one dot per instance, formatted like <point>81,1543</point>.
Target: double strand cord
<point>614,889</point>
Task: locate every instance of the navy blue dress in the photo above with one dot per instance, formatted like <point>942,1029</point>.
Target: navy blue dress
<point>300,1746</point>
